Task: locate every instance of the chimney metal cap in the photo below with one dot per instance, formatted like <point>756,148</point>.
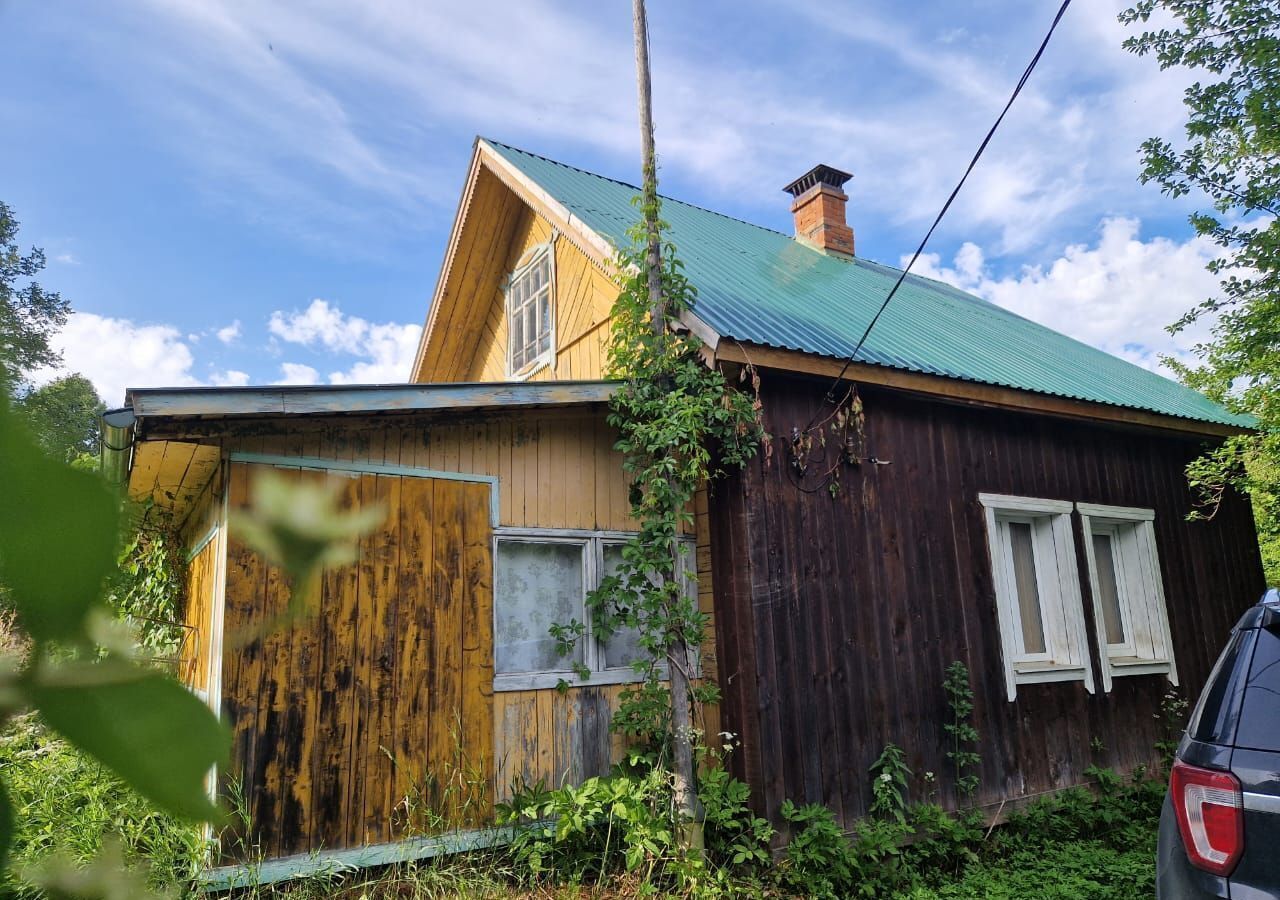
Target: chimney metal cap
<point>819,174</point>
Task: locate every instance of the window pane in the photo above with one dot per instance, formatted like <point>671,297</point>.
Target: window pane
<point>544,325</point>
<point>622,647</point>
<point>1024,575</point>
<point>1108,588</point>
<point>536,586</point>
<point>1259,726</point>
<point>1215,715</point>
<point>517,337</point>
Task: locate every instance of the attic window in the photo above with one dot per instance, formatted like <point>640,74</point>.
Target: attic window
<point>1037,588</point>
<point>530,317</point>
<point>1128,594</point>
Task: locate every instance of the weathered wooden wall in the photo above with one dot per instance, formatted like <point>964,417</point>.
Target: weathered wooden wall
<point>309,777</point>
<point>198,536</point>
<point>469,340</point>
<point>195,654</point>
<point>836,617</point>
<point>373,716</point>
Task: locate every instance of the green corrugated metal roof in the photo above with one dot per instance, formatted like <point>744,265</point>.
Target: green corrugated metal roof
<point>758,285</point>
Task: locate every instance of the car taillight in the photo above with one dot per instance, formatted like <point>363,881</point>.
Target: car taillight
<point>1210,814</point>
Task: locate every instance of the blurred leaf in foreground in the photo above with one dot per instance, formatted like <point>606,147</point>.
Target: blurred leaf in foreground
<point>302,527</point>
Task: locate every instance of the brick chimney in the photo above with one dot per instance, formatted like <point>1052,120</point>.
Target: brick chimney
<point>819,210</point>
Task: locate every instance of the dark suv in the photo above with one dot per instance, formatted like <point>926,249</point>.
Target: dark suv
<point>1220,826</point>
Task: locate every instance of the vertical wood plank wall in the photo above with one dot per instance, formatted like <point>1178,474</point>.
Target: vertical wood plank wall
<point>468,342</point>
<point>371,718</point>
<point>582,300</point>
<point>194,657</point>
<point>295,746</point>
<point>841,614</point>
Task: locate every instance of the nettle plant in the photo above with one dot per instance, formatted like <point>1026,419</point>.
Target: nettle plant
<point>960,731</point>
<point>680,425</point>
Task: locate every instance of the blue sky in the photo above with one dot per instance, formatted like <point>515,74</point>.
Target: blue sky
<point>248,193</point>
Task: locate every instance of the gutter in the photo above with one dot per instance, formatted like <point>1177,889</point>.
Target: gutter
<point>117,444</point>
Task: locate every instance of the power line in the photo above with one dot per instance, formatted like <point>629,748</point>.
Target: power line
<point>830,396</point>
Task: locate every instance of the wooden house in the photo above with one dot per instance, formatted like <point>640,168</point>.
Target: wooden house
<point>1014,500</point>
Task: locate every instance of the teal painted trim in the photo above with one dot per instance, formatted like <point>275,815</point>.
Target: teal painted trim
<point>370,468</point>
<point>333,862</point>
<point>203,542</point>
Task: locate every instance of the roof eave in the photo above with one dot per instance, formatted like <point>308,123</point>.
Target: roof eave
<point>313,400</point>
<point>974,393</point>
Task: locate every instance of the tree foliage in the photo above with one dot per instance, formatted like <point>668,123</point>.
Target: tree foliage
<point>1230,153</point>
<point>29,314</point>
<point>65,416</point>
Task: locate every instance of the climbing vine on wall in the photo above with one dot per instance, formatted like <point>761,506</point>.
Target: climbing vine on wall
<point>681,424</point>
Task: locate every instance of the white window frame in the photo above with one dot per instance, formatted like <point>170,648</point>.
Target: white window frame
<point>1149,648</point>
<point>532,257</point>
<point>593,647</point>
<point>1066,656</point>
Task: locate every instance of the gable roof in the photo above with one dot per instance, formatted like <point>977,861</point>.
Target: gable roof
<point>760,286</point>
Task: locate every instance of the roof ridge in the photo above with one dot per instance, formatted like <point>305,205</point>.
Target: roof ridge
<point>714,212</point>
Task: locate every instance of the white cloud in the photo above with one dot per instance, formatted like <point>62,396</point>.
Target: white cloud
<point>67,259</point>
<point>297,373</point>
<point>1118,295</point>
<point>384,351</point>
<point>338,111</point>
<point>229,333</point>
<point>230,378</point>
<point>116,354</point>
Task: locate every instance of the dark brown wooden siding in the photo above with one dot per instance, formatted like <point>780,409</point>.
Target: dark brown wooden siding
<point>837,616</point>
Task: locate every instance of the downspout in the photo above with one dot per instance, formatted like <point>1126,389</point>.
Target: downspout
<point>117,444</point>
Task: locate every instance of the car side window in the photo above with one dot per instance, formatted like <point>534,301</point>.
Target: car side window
<point>1260,715</point>
<point>1214,718</point>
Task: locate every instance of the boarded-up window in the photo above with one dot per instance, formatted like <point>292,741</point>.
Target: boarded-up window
<point>1108,598</point>
<point>1128,592</point>
<point>1024,572</point>
<point>1037,586</point>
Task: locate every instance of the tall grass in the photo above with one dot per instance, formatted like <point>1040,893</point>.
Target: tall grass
<point>68,805</point>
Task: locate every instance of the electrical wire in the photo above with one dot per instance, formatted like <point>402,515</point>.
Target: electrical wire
<point>831,392</point>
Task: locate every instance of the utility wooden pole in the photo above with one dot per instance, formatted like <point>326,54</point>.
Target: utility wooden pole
<point>649,184</point>
<point>678,655</point>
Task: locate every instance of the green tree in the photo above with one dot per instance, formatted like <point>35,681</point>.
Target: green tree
<point>1229,153</point>
<point>29,315</point>
<point>64,416</point>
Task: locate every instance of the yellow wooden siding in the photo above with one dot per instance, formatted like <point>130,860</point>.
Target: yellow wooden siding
<point>545,737</point>
<point>582,299</point>
<point>361,724</point>
<point>475,268</point>
<point>194,657</point>
<point>555,469</point>
<point>171,474</point>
